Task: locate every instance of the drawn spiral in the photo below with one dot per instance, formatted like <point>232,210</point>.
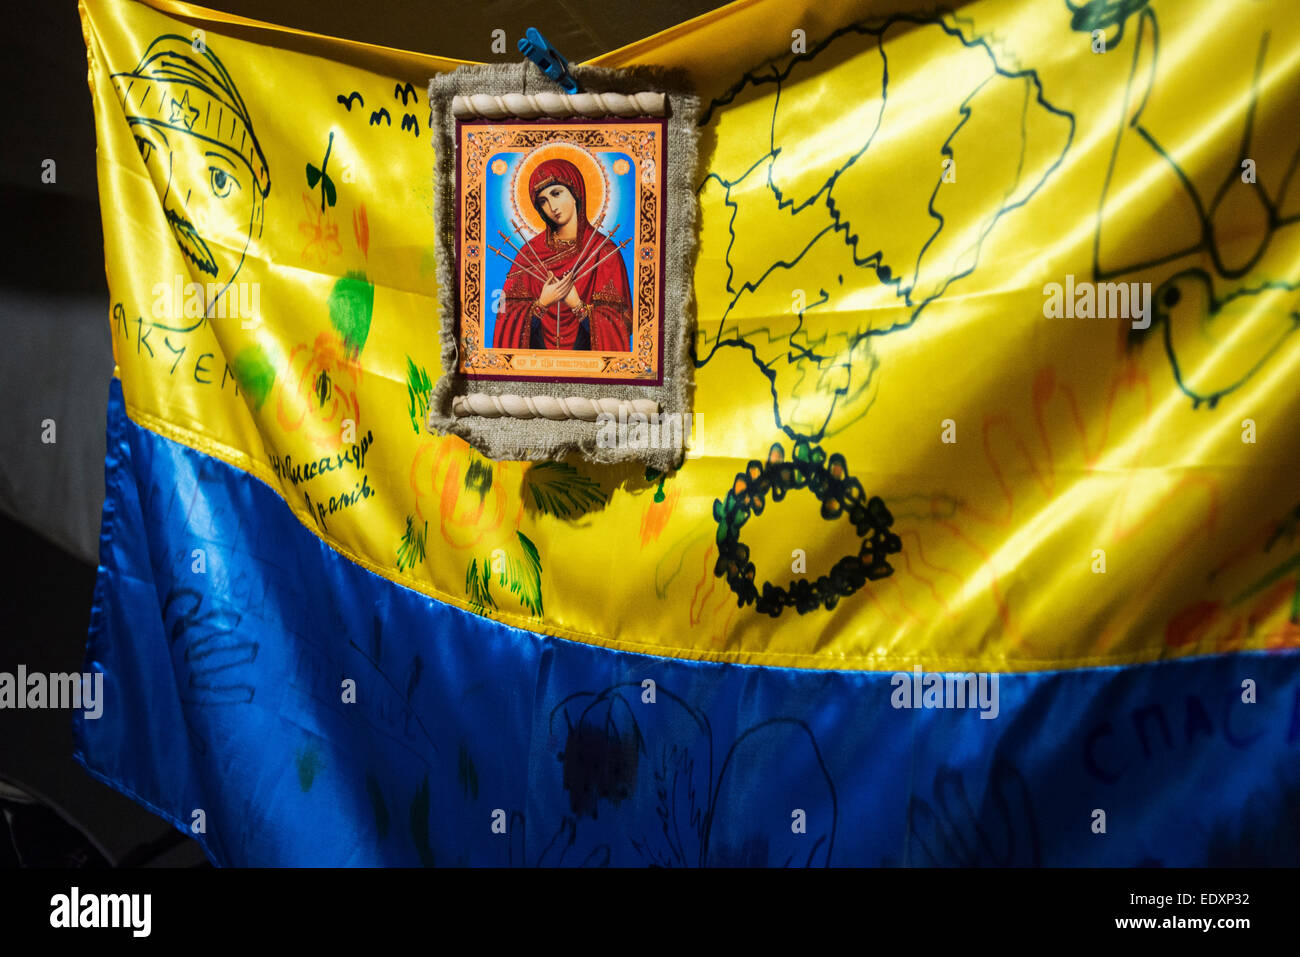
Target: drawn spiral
<point>547,406</point>
<point>532,105</point>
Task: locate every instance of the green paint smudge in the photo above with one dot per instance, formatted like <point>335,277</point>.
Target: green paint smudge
<point>351,304</point>
<point>420,824</point>
<point>650,476</point>
<point>467,773</point>
<point>429,261</point>
<point>309,763</point>
<point>1270,578</point>
<point>254,373</point>
<point>377,805</point>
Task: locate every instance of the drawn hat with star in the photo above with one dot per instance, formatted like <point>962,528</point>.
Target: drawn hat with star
<point>178,87</point>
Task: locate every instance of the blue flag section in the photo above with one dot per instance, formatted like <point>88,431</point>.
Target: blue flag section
<point>288,707</point>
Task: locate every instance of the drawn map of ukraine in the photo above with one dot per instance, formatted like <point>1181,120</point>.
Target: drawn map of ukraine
<point>817,245</point>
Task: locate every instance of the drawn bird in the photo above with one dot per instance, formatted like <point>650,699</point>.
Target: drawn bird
<point>1243,217</point>
<point>1235,224</point>
<point>1215,345</point>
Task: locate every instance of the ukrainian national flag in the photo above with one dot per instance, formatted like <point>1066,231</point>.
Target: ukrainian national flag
<point>1028,275</point>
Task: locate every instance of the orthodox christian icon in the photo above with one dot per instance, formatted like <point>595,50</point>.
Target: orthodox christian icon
<point>569,263</point>
<point>566,237</point>
<point>560,249</point>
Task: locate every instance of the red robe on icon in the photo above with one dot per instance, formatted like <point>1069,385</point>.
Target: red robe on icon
<point>607,324</point>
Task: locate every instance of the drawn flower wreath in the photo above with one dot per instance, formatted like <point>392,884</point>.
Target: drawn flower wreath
<point>839,494</point>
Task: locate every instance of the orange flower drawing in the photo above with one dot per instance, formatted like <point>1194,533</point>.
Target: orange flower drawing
<point>320,392</point>
<point>322,232</point>
<point>469,496</point>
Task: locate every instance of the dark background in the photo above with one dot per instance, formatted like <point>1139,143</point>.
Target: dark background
<point>56,359</point>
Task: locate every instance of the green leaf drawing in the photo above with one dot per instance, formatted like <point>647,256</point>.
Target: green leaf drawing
<point>377,805</point>
<point>314,176</point>
<point>467,773</point>
<point>413,679</point>
<point>561,490</point>
<point>309,763</point>
<point>410,550</point>
<point>522,575</point>
<point>478,589</point>
<point>417,394</point>
<point>420,823</point>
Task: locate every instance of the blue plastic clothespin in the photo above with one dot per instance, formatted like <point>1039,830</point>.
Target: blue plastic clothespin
<point>548,59</point>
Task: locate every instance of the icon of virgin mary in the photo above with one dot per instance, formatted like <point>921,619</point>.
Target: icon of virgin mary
<point>568,287</point>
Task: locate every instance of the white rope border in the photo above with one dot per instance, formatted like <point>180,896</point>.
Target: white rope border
<point>532,105</point>
<point>547,406</point>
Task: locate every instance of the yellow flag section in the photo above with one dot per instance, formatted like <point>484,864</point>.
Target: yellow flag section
<point>1029,276</point>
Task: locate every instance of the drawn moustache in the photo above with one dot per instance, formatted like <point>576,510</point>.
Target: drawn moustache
<point>191,243</point>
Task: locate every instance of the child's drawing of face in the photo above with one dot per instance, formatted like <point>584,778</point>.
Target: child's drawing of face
<point>208,196</point>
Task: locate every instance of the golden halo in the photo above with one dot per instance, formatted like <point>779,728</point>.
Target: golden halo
<point>593,178</point>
